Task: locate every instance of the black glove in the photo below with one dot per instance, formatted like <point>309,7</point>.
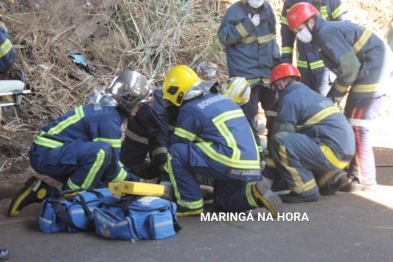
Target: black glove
<point>144,172</point>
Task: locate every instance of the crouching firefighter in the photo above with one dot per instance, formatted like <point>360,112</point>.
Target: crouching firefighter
<point>81,148</point>
<point>212,138</point>
<point>311,139</point>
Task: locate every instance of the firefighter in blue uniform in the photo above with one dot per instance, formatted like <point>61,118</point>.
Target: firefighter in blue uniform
<point>212,138</point>
<point>149,130</point>
<point>311,141</point>
<point>81,148</point>
<point>312,69</point>
<point>363,65</point>
<point>248,32</point>
<point>148,133</point>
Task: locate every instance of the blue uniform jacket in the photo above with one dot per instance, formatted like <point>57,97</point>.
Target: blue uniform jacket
<point>251,51</point>
<point>218,127</point>
<point>87,123</point>
<point>307,54</point>
<point>357,56</point>
<point>317,117</point>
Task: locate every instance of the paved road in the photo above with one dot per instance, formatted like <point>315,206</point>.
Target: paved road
<point>343,227</point>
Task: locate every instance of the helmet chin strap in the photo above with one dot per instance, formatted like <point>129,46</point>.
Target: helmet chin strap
<point>308,27</point>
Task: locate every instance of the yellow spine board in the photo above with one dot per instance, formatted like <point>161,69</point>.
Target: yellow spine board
<point>142,189</point>
<point>114,188</point>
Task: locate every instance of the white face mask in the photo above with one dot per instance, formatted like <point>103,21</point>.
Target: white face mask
<point>304,35</point>
<point>255,3</point>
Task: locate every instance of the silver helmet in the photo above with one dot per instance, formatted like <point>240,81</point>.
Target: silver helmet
<point>128,89</point>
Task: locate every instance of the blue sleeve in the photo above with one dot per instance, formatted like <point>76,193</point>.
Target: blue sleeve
<point>234,26</point>
<point>186,129</point>
<point>288,37</point>
<point>336,47</point>
<point>158,133</point>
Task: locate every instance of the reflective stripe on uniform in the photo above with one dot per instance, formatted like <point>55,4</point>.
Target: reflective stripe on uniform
<point>159,150</point>
<point>284,20</point>
<point>361,41</point>
<point>359,122</point>
<point>324,12</point>
<point>249,195</point>
<point>219,121</point>
<point>47,142</point>
<point>318,117</point>
<point>312,65</point>
<point>316,64</point>
<point>340,88</point>
<point>185,134</point>
<point>122,175</point>
<point>337,12</point>
<point>302,64</point>
<point>79,114</point>
<point>190,205</point>
<point>265,38</point>
<point>92,172</point>
<point>368,88</point>
<point>5,47</point>
<point>270,113</point>
<point>287,50</point>
<point>235,160</point>
<point>249,39</point>
<point>115,143</point>
<point>300,186</point>
<point>131,135</point>
<point>260,39</point>
<point>95,168</point>
<point>242,31</point>
<point>332,157</point>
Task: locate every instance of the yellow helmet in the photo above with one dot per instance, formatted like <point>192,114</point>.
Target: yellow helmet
<point>177,83</point>
<point>237,89</point>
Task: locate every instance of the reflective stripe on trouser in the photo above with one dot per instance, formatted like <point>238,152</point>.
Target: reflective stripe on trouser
<point>361,113</point>
<point>77,164</point>
<point>319,82</point>
<point>296,156</point>
<point>186,160</point>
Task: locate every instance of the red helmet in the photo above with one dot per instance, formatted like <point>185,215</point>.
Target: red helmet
<point>300,13</point>
<point>283,70</point>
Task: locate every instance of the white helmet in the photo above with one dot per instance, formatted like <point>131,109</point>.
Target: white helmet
<point>237,89</point>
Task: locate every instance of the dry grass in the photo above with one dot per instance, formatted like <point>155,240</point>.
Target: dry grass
<point>148,36</point>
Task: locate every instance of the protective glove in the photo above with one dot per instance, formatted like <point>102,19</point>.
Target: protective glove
<point>144,172</point>
<point>255,19</point>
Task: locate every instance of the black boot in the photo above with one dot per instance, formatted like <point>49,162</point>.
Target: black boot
<point>34,191</point>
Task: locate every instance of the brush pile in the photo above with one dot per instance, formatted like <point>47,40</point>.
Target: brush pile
<point>148,36</point>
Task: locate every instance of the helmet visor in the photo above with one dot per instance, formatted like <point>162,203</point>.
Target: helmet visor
<point>149,99</point>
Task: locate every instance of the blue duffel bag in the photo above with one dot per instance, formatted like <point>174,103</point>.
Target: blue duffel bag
<point>136,218</point>
<point>71,211</point>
